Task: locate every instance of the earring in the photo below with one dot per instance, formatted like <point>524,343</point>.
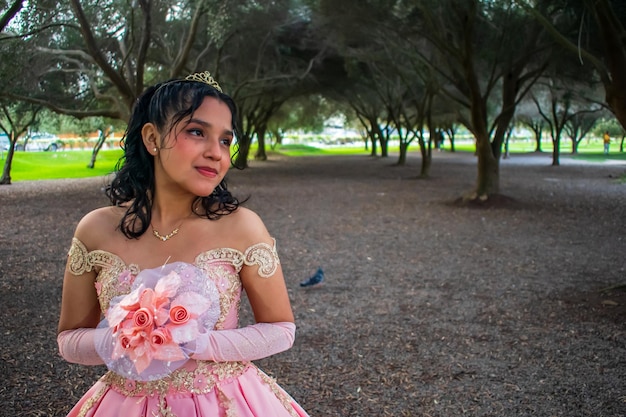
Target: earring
<point>155,150</point>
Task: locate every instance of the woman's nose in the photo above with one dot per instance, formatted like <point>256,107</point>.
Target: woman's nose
<point>213,149</point>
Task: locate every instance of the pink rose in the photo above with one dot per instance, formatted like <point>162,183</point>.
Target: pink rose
<point>179,315</point>
<point>160,337</point>
<point>142,318</point>
<point>124,341</point>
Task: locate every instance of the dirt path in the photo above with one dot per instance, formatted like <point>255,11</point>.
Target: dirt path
<point>428,309</point>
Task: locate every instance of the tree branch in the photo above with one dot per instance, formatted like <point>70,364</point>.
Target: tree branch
<point>90,42</point>
<point>10,13</point>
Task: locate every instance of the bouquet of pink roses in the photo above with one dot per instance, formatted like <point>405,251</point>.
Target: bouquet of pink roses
<point>152,330</point>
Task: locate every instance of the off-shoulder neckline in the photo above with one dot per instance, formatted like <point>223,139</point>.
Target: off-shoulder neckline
<point>118,259</point>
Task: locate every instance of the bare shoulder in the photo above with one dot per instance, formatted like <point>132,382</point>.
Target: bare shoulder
<point>97,225</point>
<point>247,228</point>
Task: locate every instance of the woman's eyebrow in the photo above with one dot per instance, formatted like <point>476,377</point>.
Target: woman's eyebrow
<point>207,124</point>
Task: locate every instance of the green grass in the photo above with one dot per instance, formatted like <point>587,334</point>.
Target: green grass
<point>305,150</point>
<point>589,151</point>
<point>73,164</point>
<point>64,164</point>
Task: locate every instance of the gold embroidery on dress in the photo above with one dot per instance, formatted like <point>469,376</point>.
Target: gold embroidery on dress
<point>201,380</point>
<point>282,396</point>
<point>226,403</point>
<point>230,296</point>
<point>88,405</point>
<point>263,255</point>
<point>164,409</point>
<point>206,377</point>
<point>77,258</point>
<point>233,257</point>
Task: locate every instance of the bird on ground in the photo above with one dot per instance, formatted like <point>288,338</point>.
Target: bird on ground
<point>315,280</point>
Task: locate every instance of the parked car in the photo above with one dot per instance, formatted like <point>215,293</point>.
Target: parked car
<point>39,142</point>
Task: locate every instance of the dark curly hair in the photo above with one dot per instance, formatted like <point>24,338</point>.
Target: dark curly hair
<point>165,105</point>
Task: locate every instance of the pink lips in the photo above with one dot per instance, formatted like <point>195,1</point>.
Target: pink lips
<point>207,172</point>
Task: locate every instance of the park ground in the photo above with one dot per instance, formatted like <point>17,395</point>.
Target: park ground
<point>429,309</point>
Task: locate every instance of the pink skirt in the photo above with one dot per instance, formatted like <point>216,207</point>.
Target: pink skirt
<point>199,389</point>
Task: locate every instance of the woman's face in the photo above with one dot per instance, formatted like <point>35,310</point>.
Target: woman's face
<point>195,155</point>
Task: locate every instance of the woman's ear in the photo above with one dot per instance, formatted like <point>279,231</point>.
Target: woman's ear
<point>150,135</point>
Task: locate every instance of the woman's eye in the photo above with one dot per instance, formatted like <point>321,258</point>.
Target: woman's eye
<point>195,132</point>
<point>226,141</point>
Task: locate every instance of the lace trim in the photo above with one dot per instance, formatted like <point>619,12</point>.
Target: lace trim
<point>80,260</point>
<point>282,396</point>
<point>206,377</point>
<point>201,380</point>
<point>229,287</point>
<point>89,404</point>
<point>263,255</point>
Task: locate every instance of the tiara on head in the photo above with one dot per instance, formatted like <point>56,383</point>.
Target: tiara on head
<point>204,77</point>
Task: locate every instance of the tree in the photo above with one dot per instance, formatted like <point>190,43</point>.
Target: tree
<point>105,52</point>
<point>580,124</point>
<point>15,119</point>
<point>100,56</point>
<point>477,59</point>
<point>592,30</point>
<point>274,62</point>
<point>565,108</point>
<point>84,127</point>
<point>536,124</point>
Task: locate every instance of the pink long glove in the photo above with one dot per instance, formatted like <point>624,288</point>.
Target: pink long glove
<point>78,346</point>
<point>246,344</point>
<point>249,343</point>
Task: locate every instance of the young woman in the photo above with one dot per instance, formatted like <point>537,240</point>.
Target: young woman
<point>153,282</point>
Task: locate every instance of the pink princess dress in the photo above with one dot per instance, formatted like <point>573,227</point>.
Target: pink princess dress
<point>197,387</point>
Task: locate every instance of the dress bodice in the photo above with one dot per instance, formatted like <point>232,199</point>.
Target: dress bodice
<point>222,266</point>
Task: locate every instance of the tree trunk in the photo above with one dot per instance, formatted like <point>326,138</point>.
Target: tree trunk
<point>384,141</point>
<point>556,150</point>
<point>426,158</point>
<point>403,151</point>
<point>384,147</point>
<point>94,153</point>
<point>451,139</point>
<point>376,135</point>
<point>260,154</point>
<point>241,158</point>
<point>575,146</point>
<point>488,181</point>
<point>374,141</point>
<point>6,171</point>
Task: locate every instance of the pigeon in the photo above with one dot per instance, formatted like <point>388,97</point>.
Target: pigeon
<point>316,280</point>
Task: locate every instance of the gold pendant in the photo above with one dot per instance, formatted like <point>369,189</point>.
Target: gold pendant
<point>166,237</point>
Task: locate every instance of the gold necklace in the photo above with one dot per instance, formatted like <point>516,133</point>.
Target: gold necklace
<point>164,238</point>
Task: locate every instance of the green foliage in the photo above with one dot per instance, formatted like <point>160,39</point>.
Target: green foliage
<point>611,125</point>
